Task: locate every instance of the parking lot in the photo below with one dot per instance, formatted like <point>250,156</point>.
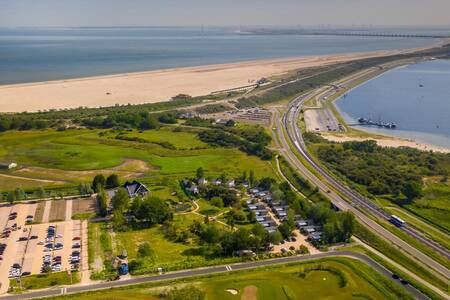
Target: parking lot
<point>27,248</point>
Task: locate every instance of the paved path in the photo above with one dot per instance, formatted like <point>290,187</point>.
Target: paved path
<point>69,205</point>
<point>212,270</point>
<point>84,268</point>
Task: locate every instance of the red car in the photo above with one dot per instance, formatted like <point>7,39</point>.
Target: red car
<point>77,238</point>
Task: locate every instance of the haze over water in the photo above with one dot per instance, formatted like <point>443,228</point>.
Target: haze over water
<point>41,54</point>
<point>416,97</point>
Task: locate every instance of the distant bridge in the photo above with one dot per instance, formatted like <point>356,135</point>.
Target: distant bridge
<point>346,33</point>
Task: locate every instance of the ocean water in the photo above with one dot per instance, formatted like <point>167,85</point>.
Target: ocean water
<point>416,97</point>
<point>41,54</point>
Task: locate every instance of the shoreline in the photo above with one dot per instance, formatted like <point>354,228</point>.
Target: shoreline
<point>383,140</point>
<point>159,85</point>
<point>388,141</point>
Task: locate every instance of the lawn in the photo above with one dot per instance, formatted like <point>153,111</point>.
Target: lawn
<point>181,139</point>
<point>166,251</point>
<point>99,245</point>
<point>72,155</point>
<point>434,206</point>
<point>46,280</point>
<point>338,279</point>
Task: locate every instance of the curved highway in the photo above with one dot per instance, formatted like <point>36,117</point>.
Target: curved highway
<point>288,123</point>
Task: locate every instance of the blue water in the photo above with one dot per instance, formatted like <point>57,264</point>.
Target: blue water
<point>28,55</point>
<point>421,113</point>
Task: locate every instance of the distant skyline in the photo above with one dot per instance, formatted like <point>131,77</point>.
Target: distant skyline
<point>105,13</point>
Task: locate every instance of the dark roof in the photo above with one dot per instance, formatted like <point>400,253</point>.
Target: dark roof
<point>135,188</point>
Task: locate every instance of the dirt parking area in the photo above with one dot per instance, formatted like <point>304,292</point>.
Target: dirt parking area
<point>58,211</point>
<point>29,245</point>
<point>83,205</point>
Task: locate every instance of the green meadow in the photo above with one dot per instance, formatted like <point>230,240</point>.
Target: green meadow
<point>322,279</point>
<point>68,157</point>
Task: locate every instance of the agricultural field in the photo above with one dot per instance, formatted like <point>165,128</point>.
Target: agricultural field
<point>327,279</point>
<point>52,158</point>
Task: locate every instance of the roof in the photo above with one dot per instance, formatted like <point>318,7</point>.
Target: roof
<point>135,188</point>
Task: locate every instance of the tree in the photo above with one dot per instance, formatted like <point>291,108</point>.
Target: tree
<point>145,250</point>
<point>102,203</point>
<point>85,189</point>
<point>98,181</point>
<point>41,193</point>
<point>11,197</point>
<point>200,173</point>
<point>211,234</point>
<point>112,181</point>
<point>251,178</point>
<point>154,210</point>
<point>412,190</point>
<point>118,219</point>
<point>121,200</point>
<point>285,229</point>
<point>135,205</point>
<point>217,202</point>
<point>348,225</point>
<point>20,194</point>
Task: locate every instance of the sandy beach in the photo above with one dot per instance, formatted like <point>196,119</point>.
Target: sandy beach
<point>155,86</point>
<point>389,142</point>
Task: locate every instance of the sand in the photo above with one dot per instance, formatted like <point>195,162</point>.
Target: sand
<point>389,142</point>
<point>155,86</point>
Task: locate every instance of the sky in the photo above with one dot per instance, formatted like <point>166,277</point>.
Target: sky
<point>75,13</point>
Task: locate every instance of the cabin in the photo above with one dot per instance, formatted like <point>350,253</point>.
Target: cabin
<point>202,181</point>
<point>7,166</point>
<point>135,189</point>
<point>231,183</point>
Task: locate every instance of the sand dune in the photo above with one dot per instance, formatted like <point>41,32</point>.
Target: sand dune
<point>153,86</point>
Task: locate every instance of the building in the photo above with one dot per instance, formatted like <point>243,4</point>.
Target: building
<point>9,166</point>
<point>231,183</point>
<point>202,181</point>
<point>135,189</point>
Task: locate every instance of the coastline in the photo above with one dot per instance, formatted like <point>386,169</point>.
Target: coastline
<point>382,139</point>
<point>388,141</point>
<point>158,85</point>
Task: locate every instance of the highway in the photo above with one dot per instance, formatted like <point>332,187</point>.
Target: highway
<point>288,122</point>
<point>210,271</point>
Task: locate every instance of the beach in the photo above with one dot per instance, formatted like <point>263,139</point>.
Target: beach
<point>389,142</point>
<point>155,86</point>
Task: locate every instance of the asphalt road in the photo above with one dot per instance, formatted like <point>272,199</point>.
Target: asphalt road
<point>288,122</point>
<point>214,270</point>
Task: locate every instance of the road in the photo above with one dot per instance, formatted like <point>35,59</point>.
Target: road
<point>212,270</point>
<point>288,123</point>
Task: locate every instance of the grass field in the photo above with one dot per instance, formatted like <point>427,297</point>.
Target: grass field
<point>434,206</point>
<point>77,155</point>
<point>338,279</point>
<point>46,280</point>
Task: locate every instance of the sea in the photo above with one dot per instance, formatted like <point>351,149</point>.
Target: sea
<point>416,97</point>
<point>42,54</point>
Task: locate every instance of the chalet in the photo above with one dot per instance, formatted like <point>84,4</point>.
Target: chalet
<point>202,181</point>
<point>9,166</point>
<point>231,183</point>
<point>189,186</point>
<point>301,223</point>
<point>217,182</point>
<point>136,188</point>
